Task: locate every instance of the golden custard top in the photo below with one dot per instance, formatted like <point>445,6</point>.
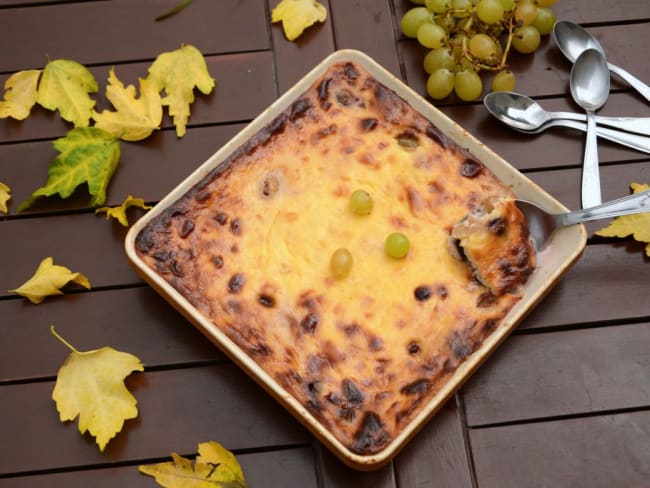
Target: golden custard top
<point>250,248</point>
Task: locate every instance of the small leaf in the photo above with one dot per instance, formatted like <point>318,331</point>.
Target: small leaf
<point>48,280</point>
<point>636,225</point>
<point>297,15</point>
<point>173,10</point>
<point>90,385</point>
<point>88,155</point>
<point>119,212</point>
<point>20,94</point>
<point>215,467</point>
<point>65,86</point>
<point>134,119</point>
<point>5,196</point>
<point>178,72</point>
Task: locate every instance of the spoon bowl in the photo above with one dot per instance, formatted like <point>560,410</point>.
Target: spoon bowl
<point>543,224</point>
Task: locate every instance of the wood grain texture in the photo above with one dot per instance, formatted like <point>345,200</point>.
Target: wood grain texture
<point>562,373</point>
<point>177,410</point>
<point>595,452</point>
<point>123,30</point>
<point>335,474</point>
<point>288,468</point>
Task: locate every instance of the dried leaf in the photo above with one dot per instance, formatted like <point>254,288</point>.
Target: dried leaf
<point>90,385</point>
<point>88,155</point>
<point>177,73</point>
<point>119,212</point>
<point>134,119</point>
<point>20,94</point>
<point>48,280</point>
<point>214,467</point>
<point>636,225</point>
<point>5,196</point>
<point>297,15</point>
<point>64,86</point>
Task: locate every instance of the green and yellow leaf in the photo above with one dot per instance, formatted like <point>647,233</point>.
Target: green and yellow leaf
<point>178,73</point>
<point>48,280</point>
<point>119,212</point>
<point>5,196</point>
<point>297,15</point>
<point>87,155</point>
<point>636,225</point>
<point>65,86</point>
<point>215,467</point>
<point>90,385</point>
<point>133,119</point>
<point>20,94</point>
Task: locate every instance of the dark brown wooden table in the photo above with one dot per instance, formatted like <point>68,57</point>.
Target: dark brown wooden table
<point>564,402</point>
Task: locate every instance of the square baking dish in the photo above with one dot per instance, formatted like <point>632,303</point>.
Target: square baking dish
<point>563,250</point>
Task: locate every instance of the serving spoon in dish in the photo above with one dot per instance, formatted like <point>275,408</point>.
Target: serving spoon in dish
<point>572,40</point>
<point>543,224</point>
<point>525,112</point>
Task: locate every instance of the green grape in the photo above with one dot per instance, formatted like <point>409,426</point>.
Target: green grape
<point>440,83</point>
<point>504,81</point>
<point>361,202</point>
<point>413,19</point>
<point>457,45</point>
<point>464,65</point>
<point>431,35</point>
<point>507,5</point>
<point>490,11</point>
<point>438,58</point>
<point>482,46</point>
<point>397,245</point>
<point>545,3</point>
<point>437,6</point>
<point>468,85</point>
<point>341,263</point>
<point>544,21</point>
<point>525,12</point>
<point>447,22</point>
<point>526,39</point>
<point>464,5</point>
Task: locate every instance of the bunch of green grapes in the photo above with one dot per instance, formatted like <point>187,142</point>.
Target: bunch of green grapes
<point>468,36</point>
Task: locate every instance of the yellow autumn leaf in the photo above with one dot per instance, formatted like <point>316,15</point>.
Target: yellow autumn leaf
<point>636,225</point>
<point>20,94</point>
<point>119,212</point>
<point>215,467</point>
<point>48,280</point>
<point>90,385</point>
<point>64,86</point>
<point>133,119</point>
<point>177,73</point>
<point>297,15</point>
<point>5,196</point>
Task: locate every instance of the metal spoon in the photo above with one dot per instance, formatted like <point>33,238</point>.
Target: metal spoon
<point>572,40</point>
<point>589,84</point>
<point>542,224</point>
<point>633,141</point>
<point>523,110</point>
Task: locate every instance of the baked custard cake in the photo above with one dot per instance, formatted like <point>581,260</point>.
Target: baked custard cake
<point>250,247</point>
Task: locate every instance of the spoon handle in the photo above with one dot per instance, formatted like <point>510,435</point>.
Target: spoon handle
<point>638,125</point>
<point>633,141</point>
<point>590,171</point>
<point>631,204</point>
<point>633,81</point>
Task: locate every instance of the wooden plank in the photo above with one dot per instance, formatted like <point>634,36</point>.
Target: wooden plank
<point>177,410</point>
<point>562,373</point>
<point>546,72</point>
<point>82,242</point>
<point>287,468</point>
<point>244,88</point>
<point>213,27</point>
<point>149,169</point>
<point>366,25</point>
<point>295,59</point>
<point>609,282</point>
<point>437,456</point>
<point>598,452</point>
<point>136,320</point>
<point>335,474</point>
